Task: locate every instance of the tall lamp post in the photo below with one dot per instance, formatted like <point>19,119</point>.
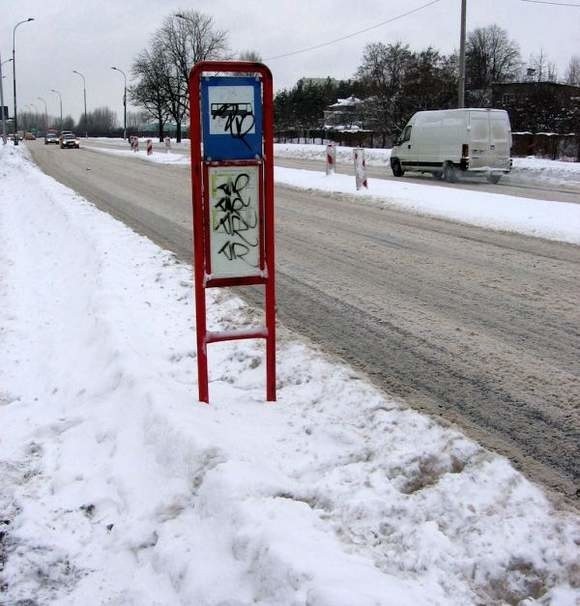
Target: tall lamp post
<point>85,98</point>
<point>45,113</point>
<point>2,97</point>
<point>14,75</point>
<point>60,98</point>
<point>124,101</point>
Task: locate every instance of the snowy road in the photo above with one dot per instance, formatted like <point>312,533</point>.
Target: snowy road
<point>523,182</point>
<point>479,327</point>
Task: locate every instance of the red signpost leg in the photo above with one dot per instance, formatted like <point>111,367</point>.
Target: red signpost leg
<point>198,249</point>
<point>270,230</point>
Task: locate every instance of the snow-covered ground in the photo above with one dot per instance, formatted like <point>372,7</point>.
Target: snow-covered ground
<point>545,219</point>
<point>117,487</point>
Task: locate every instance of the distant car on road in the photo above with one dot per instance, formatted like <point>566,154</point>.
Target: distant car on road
<point>51,138</point>
<point>69,140</point>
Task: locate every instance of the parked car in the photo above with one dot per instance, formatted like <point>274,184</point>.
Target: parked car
<point>51,138</point>
<point>448,143</point>
<point>69,140</point>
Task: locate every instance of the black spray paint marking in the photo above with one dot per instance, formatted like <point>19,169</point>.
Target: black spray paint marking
<point>236,220</point>
<point>239,118</point>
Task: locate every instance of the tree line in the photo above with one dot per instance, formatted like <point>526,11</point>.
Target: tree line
<point>393,82</point>
<point>100,122</point>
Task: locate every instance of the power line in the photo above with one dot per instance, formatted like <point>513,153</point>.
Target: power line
<point>362,31</point>
<point>551,3</point>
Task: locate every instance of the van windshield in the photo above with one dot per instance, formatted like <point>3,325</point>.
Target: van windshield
<point>406,133</point>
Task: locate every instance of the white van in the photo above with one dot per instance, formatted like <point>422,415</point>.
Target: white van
<point>451,142</point>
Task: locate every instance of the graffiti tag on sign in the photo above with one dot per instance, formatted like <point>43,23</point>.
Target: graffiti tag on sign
<point>235,221</point>
<point>231,110</point>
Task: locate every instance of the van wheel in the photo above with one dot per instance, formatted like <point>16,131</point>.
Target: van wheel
<point>396,168</point>
<point>438,174</point>
<point>493,178</point>
<point>449,172</point>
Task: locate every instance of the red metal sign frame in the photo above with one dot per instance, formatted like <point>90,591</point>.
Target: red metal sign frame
<point>201,226</point>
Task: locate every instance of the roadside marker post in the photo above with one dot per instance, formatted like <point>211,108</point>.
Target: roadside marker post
<point>149,147</point>
<point>360,168</point>
<point>232,178</point>
<point>330,158</point>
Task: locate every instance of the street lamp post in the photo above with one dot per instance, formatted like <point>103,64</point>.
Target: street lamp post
<point>52,90</point>
<point>45,114</point>
<point>85,98</point>
<point>14,75</point>
<point>2,98</point>
<point>124,101</point>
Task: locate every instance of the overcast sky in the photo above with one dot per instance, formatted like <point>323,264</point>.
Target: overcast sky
<point>93,35</point>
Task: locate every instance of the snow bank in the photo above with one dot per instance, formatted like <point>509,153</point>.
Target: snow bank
<point>374,157</point>
<point>530,168</point>
<point>164,157</point>
<point>118,487</point>
<point>545,219</point>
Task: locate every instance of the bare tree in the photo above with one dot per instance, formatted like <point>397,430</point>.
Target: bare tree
<point>490,57</point>
<point>185,39</point>
<point>102,121</point>
<point>137,120</point>
<point>250,55</point>
<point>150,69</point>
<point>191,37</point>
<point>382,73</point>
<point>544,69</point>
<point>573,71</point>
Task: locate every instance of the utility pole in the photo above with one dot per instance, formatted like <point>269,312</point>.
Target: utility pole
<point>461,84</point>
<point>2,102</point>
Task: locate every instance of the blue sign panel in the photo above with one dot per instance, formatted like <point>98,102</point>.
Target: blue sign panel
<point>231,110</point>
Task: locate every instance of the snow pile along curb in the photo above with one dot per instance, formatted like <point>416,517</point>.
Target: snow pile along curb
<point>117,487</point>
<point>540,218</point>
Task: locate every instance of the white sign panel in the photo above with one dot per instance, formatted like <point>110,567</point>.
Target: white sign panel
<point>234,221</point>
<point>228,103</point>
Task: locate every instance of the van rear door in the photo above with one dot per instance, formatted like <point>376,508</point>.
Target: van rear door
<point>480,142</point>
<point>491,139</point>
<point>500,139</point>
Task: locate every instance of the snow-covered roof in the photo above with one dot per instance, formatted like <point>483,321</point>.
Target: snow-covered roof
<point>348,102</point>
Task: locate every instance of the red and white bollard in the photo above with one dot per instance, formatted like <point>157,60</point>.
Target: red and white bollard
<point>149,147</point>
<point>330,158</point>
<point>135,143</point>
<point>360,168</point>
